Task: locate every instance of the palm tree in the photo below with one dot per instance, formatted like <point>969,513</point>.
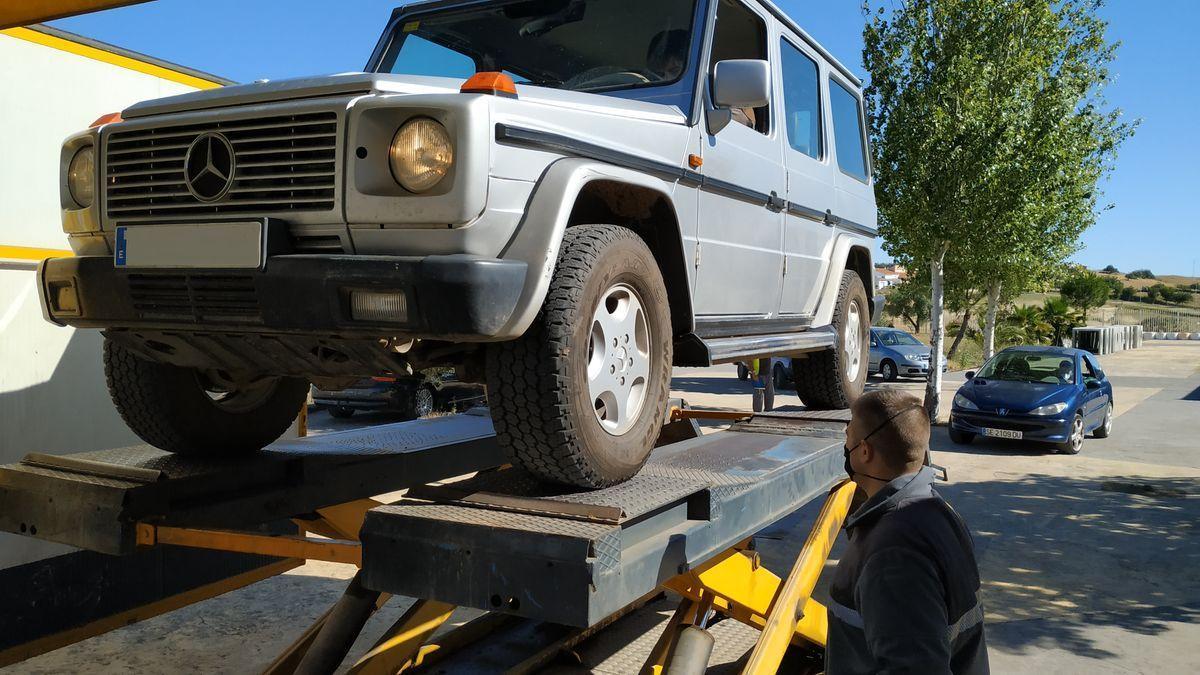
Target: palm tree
<point>1060,317</point>
<point>1025,325</point>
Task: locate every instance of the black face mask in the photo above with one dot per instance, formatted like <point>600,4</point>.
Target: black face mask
<point>846,450</point>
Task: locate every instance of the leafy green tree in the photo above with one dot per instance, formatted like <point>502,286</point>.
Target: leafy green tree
<point>1141,274</point>
<point>1028,325</point>
<point>1085,291</point>
<point>1111,269</point>
<point>989,137</point>
<point>1114,286</point>
<point>909,301</point>
<point>1128,293</point>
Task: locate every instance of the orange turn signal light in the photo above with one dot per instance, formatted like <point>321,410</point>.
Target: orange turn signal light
<point>695,161</point>
<point>497,84</point>
<point>106,119</point>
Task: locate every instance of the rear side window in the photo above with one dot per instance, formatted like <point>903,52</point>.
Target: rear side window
<point>848,131</point>
<point>801,101</point>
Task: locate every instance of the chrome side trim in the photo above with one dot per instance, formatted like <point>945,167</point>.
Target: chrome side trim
<point>727,350</point>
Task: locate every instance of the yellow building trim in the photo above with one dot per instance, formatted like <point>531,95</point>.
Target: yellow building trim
<point>120,60</point>
<point>30,253</point>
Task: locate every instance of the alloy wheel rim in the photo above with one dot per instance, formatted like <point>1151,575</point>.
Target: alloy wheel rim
<point>852,341</point>
<point>1077,433</point>
<point>618,358</point>
<point>424,402</point>
<point>1108,421</point>
<point>887,371</point>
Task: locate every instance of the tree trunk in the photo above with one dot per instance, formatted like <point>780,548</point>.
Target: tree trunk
<point>937,329</point>
<point>962,330</point>
<point>989,323</point>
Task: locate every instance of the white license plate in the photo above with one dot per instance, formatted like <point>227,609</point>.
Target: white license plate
<point>191,246</point>
<point>1002,433</point>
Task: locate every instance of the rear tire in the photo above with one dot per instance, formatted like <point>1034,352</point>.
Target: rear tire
<point>743,372</point>
<point>780,376</point>
<point>422,403</point>
<point>834,378</point>
<point>175,409</point>
<point>961,437</point>
<point>341,412</point>
<point>567,403</point>
<point>1105,428</point>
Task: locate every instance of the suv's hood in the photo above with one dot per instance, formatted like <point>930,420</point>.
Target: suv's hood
<point>382,83</point>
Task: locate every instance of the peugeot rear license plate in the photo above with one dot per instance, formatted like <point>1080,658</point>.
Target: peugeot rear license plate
<point>191,246</point>
<point>1002,433</point>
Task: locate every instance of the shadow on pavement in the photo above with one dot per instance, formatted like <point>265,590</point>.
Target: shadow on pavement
<point>1061,556</point>
<point>711,385</point>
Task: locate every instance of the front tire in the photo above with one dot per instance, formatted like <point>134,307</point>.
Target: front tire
<point>743,372</point>
<point>834,378</point>
<point>1075,442</point>
<point>341,412</point>
<point>179,410</point>
<point>887,370</point>
<point>580,397</point>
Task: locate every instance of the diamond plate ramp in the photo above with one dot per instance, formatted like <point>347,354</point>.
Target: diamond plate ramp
<point>692,500</point>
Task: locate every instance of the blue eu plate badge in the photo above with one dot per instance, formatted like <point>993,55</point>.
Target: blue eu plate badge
<point>121,255</point>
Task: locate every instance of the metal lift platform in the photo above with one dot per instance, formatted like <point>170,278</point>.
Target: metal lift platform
<point>497,541</point>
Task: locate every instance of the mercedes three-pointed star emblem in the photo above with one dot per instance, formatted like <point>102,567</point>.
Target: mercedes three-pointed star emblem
<point>209,166</point>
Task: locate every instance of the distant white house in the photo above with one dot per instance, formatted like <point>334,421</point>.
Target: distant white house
<point>889,275</point>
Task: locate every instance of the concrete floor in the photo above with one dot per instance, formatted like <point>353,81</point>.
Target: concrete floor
<point>1091,563</point>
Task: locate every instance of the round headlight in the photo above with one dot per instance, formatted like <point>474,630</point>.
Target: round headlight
<point>421,154</point>
<point>81,176</point>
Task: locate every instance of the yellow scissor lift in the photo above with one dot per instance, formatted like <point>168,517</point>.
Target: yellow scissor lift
<point>724,579</point>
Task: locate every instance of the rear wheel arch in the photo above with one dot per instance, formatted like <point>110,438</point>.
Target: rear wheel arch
<point>858,259</point>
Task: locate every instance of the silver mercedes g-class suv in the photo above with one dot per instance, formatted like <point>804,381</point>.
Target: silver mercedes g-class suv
<point>560,198</point>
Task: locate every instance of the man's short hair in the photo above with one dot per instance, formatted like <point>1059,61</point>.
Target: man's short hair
<point>904,440</point>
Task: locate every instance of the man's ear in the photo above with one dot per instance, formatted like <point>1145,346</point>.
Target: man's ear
<point>868,452</point>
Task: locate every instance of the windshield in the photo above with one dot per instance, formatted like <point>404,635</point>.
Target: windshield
<point>896,338</point>
<point>582,45</point>
<point>1030,367</point>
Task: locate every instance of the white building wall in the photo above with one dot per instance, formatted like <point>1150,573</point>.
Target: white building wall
<point>52,393</point>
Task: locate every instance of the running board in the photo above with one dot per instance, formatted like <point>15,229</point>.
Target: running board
<point>730,349</point>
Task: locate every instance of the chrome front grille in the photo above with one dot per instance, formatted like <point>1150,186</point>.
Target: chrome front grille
<point>284,164</point>
<point>195,298</point>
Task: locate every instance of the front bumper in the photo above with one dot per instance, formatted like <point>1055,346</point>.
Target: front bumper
<point>1032,427</point>
<point>455,297</point>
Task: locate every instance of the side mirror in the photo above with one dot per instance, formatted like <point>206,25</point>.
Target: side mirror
<point>1092,384</point>
<point>738,83</point>
<point>970,375</point>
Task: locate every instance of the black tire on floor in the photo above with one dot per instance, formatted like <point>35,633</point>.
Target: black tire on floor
<point>779,375</point>
<point>1105,427</point>
<point>1074,443</point>
<point>887,370</point>
<point>538,389</point>
<point>170,407</point>
<point>821,378</point>
<point>341,412</point>
<point>743,372</point>
<point>961,437</point>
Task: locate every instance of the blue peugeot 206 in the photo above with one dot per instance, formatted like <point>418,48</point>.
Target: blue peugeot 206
<point>1046,394</point>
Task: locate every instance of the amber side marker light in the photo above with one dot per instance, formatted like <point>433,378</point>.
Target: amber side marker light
<point>110,118</point>
<point>695,161</point>
<point>496,84</point>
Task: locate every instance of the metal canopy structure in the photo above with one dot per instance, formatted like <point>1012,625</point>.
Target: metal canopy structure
<point>25,12</point>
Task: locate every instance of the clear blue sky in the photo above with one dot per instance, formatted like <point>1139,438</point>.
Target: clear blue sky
<point>1154,187</point>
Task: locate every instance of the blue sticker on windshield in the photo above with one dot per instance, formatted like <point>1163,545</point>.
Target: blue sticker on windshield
<point>120,255</point>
